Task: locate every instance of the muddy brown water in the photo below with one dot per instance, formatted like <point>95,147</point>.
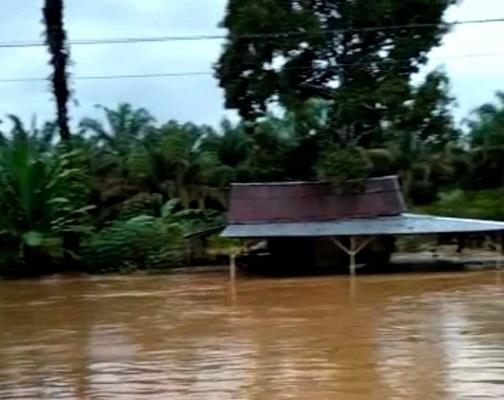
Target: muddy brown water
<point>436,336</point>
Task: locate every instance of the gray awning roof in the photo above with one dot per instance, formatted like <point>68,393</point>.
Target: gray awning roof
<point>405,224</point>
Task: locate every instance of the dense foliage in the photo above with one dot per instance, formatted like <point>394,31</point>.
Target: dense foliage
<point>128,191</point>
<point>359,54</point>
<point>327,94</point>
<point>358,58</point>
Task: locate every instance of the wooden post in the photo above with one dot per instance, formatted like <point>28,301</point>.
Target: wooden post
<point>352,290</point>
<point>232,266</point>
<point>352,253</point>
<point>500,254</point>
<point>188,252</point>
<point>498,242</point>
<point>353,250</point>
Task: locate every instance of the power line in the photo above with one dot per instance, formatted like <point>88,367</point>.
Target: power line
<point>157,39</point>
<point>206,73</point>
<point>108,77</point>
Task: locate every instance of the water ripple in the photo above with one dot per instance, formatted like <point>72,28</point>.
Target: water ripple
<point>432,337</point>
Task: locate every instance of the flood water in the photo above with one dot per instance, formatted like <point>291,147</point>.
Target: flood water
<point>424,337</point>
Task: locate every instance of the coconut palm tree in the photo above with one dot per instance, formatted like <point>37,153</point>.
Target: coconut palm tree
<point>56,42</point>
<point>123,125</point>
<point>119,138</point>
<point>486,137</point>
<point>186,168</point>
<point>407,156</point>
<point>487,125</point>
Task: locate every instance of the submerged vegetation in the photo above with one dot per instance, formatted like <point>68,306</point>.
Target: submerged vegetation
<point>122,193</point>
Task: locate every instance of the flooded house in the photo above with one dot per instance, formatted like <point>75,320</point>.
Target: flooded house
<point>300,226</point>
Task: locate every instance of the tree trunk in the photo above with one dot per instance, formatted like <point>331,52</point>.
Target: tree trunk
<point>180,188</point>
<point>56,42</point>
<point>407,180</point>
<point>201,202</point>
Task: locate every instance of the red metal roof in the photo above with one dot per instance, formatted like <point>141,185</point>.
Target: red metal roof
<point>304,202</point>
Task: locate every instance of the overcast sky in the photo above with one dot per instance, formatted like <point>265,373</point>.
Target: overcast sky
<point>195,98</point>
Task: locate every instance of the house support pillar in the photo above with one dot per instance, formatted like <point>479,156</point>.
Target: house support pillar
<point>497,242</point>
<point>500,246</point>
<point>355,248</point>
<point>232,267</point>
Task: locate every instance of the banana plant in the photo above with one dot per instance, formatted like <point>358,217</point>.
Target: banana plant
<point>43,196</point>
<point>190,220</point>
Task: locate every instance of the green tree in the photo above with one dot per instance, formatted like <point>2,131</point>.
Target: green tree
<point>123,125</point>
<point>359,54</point>
<point>343,167</point>
<point>119,141</point>
<point>428,112</point>
<point>487,125</point>
<point>231,144</point>
<point>411,159</point>
<point>117,153</point>
<point>486,138</point>
<point>184,168</point>
<point>56,42</point>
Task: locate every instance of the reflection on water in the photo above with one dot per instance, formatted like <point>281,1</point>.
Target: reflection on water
<point>192,337</point>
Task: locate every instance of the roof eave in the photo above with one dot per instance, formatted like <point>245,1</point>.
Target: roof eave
<point>405,224</point>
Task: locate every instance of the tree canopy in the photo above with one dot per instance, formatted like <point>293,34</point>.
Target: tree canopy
<point>359,54</point>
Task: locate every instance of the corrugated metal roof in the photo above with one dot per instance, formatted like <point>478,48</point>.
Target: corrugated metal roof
<point>404,224</point>
<point>305,201</point>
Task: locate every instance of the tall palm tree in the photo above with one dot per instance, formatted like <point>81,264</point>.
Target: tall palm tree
<point>56,42</point>
<point>487,125</point>
<point>486,137</point>
<point>120,136</point>
<point>191,172</point>
<point>407,156</point>
<point>124,125</point>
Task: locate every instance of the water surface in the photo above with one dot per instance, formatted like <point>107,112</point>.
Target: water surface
<point>412,337</point>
